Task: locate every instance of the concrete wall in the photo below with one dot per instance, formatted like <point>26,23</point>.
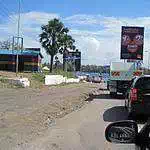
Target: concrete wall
<point>24,82</point>
<point>58,79</point>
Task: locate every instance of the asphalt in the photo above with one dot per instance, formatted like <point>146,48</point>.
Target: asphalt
<point>84,129</point>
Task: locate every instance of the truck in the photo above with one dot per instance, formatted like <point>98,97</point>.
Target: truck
<point>121,75</point>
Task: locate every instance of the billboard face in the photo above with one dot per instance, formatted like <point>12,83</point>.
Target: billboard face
<point>132,40</point>
<point>73,56</point>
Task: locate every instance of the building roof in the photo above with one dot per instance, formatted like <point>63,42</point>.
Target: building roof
<point>21,52</point>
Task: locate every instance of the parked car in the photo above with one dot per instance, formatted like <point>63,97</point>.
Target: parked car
<point>94,79</point>
<point>138,96</point>
<point>97,79</point>
<point>89,78</point>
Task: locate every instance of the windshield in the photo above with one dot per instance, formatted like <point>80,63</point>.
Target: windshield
<point>146,84</point>
<point>142,83</point>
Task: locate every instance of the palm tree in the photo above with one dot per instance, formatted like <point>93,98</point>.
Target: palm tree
<point>52,38</point>
<point>67,42</point>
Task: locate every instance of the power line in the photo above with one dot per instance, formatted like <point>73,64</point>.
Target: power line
<point>8,16</point>
<point>7,12</point>
<point>4,13</point>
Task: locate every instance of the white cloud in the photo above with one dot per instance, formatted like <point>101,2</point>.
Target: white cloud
<point>37,17</point>
<point>98,50</point>
<point>30,28</point>
<point>97,36</point>
<point>84,19</point>
<point>108,34</point>
<point>30,23</point>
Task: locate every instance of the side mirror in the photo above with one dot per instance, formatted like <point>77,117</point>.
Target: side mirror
<point>122,132</point>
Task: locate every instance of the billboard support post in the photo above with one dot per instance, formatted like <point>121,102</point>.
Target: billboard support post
<point>65,66</point>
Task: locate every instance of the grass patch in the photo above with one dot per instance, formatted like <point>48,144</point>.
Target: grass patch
<point>37,80</point>
<point>38,77</point>
<point>63,73</point>
<point>60,72</point>
<point>3,80</point>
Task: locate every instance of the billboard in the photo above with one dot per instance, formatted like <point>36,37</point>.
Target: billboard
<point>73,57</point>
<point>132,41</point>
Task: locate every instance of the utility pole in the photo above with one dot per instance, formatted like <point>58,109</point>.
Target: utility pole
<point>148,59</point>
<point>147,51</point>
<point>18,34</point>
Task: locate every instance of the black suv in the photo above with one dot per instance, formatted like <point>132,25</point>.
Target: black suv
<point>138,96</point>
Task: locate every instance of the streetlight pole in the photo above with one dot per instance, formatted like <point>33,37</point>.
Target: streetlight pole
<point>18,34</point>
<point>148,58</point>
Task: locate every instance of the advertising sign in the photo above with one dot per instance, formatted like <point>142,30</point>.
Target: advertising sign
<point>132,41</point>
<point>74,57</point>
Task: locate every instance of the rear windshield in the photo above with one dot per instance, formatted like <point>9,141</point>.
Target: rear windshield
<point>143,83</point>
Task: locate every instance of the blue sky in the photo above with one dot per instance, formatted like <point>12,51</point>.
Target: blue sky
<point>95,25</point>
<point>132,8</point>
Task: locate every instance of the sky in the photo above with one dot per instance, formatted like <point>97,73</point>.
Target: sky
<point>94,24</point>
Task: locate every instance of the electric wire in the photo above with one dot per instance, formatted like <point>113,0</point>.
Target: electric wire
<point>9,19</point>
<point>10,15</point>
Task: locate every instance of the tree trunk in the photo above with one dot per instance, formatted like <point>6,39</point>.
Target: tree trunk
<point>51,64</point>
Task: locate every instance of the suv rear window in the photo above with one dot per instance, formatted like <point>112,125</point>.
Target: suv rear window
<point>143,83</point>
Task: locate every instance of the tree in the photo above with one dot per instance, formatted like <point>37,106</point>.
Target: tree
<point>67,43</point>
<point>7,44</point>
<point>54,39</point>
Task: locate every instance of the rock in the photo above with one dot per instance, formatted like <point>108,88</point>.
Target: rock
<point>50,122</point>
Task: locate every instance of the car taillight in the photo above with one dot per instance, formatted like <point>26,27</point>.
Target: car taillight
<point>133,94</point>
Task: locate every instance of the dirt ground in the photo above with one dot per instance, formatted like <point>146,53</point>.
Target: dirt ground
<point>25,114</point>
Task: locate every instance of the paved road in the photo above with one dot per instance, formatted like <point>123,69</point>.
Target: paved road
<point>84,129</point>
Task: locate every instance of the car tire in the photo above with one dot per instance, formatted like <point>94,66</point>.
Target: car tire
<point>126,104</point>
<point>131,114</point>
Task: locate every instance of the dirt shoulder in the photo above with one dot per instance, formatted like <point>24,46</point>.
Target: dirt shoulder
<point>26,113</point>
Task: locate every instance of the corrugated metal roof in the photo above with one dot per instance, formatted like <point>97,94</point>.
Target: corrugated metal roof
<point>20,52</point>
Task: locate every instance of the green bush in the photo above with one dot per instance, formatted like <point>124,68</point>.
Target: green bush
<point>3,80</point>
<point>38,77</point>
<point>63,73</point>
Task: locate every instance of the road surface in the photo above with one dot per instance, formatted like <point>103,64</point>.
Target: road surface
<point>84,129</point>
